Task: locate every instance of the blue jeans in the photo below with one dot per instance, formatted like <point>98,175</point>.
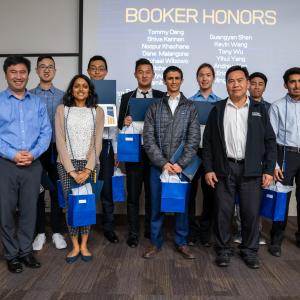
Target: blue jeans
<point>157,217</point>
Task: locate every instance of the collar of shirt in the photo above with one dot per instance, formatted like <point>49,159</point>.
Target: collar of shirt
<point>10,94</point>
<point>176,98</point>
<point>229,102</point>
<point>212,97</point>
<point>51,89</point>
<point>140,95</point>
<point>290,99</point>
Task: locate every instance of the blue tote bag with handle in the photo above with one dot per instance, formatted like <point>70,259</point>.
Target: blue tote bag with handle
<point>129,147</point>
<point>81,210</point>
<point>273,205</point>
<point>174,196</point>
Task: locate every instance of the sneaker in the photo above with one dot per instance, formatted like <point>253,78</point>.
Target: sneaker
<point>59,241</point>
<point>39,242</point>
<point>237,238</point>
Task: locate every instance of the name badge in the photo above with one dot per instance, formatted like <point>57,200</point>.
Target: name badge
<point>256,114</point>
<point>129,139</point>
<point>82,201</point>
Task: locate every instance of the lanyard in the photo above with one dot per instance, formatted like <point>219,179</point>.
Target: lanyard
<point>94,136</point>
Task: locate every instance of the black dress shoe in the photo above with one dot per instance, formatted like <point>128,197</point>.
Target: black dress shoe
<point>192,240</point>
<point>132,241</point>
<point>251,260</point>
<point>275,250</point>
<point>147,235</point>
<point>30,261</point>
<point>223,260</point>
<point>14,266</point>
<point>205,243</point>
<point>111,236</point>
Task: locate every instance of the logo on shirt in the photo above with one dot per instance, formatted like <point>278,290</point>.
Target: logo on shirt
<point>256,114</point>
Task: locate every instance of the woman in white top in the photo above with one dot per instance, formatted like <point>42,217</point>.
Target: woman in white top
<point>78,128</point>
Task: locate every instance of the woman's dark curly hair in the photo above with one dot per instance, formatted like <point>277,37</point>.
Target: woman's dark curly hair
<point>68,98</point>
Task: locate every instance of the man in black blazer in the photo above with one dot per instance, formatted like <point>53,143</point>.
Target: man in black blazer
<point>239,158</point>
<point>138,172</point>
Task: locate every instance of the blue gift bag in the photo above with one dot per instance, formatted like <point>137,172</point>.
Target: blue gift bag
<point>118,188</point>
<point>97,188</point>
<point>60,195</point>
<point>129,147</point>
<point>81,210</point>
<point>273,205</point>
<point>174,197</point>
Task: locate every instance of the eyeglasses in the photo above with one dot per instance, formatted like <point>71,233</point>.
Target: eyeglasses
<point>44,67</point>
<point>99,69</point>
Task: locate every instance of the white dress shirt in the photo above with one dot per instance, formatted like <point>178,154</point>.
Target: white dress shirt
<point>173,102</point>
<point>110,133</point>
<point>235,129</point>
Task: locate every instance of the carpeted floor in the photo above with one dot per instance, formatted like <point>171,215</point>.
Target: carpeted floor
<point>119,272</point>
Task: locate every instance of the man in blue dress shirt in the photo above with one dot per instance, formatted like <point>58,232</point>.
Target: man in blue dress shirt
<point>25,133</point>
<point>285,119</point>
<point>52,97</point>
<point>201,232</point>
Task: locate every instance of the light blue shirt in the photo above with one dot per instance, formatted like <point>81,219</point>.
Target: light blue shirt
<point>211,97</point>
<point>278,114</point>
<point>52,98</point>
<point>24,125</point>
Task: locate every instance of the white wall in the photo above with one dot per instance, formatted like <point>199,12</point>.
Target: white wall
<point>41,26</point>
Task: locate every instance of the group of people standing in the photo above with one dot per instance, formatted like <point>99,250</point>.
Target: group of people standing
<point>245,145</point>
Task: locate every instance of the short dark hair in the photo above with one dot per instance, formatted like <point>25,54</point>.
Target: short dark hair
<point>237,68</point>
<point>172,69</point>
<point>143,61</point>
<point>97,57</point>
<point>289,72</point>
<point>15,60</point>
<point>259,75</point>
<point>68,98</point>
<point>206,65</point>
<point>41,57</point>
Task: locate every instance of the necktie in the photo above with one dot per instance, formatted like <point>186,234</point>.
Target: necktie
<point>144,94</point>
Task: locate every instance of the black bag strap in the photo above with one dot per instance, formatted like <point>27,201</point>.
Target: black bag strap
<point>68,137</point>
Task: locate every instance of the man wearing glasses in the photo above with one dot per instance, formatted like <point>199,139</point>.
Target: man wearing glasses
<point>97,70</point>
<point>52,97</point>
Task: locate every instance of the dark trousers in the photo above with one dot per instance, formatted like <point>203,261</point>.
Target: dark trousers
<point>292,172</point>
<point>105,174</point>
<point>249,191</point>
<point>201,230</point>
<point>157,217</point>
<point>49,179</point>
<point>137,174</point>
<point>19,188</point>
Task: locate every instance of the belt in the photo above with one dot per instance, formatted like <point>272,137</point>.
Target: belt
<point>290,148</point>
<point>236,161</point>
